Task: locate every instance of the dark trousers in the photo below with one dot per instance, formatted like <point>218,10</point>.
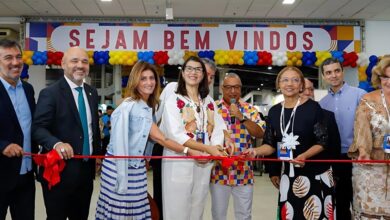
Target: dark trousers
<point>157,183</point>
<point>105,142</point>
<point>20,200</point>
<point>344,193</point>
<point>71,201</point>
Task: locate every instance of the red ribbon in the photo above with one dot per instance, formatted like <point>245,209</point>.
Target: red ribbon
<point>53,164</point>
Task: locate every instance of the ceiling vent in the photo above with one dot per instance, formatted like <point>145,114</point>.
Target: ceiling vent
<point>8,33</point>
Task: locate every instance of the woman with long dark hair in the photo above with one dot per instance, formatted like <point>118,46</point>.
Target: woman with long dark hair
<point>190,118</point>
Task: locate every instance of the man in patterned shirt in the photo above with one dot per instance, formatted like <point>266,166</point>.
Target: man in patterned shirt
<point>243,123</point>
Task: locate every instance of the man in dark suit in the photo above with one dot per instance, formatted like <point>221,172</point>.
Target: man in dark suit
<point>17,104</point>
<point>66,119</point>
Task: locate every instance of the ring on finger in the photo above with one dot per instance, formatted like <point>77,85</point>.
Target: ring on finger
<point>62,150</point>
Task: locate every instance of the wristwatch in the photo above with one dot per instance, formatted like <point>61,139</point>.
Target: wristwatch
<point>244,118</point>
<point>185,151</point>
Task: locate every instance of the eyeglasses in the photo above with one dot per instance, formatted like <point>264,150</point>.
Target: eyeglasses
<point>190,69</point>
<point>385,78</point>
<point>292,80</point>
<point>229,87</point>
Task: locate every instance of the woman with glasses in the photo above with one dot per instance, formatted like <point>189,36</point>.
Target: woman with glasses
<point>371,186</point>
<point>190,118</point>
<point>295,132</point>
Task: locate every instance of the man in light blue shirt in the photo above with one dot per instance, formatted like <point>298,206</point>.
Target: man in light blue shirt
<point>17,185</point>
<point>342,100</point>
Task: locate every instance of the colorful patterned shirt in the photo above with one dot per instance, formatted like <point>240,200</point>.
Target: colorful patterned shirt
<point>241,172</point>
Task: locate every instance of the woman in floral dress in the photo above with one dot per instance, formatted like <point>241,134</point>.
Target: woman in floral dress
<point>371,182</point>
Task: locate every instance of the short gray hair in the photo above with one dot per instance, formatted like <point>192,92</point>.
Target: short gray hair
<point>232,75</point>
<point>209,63</point>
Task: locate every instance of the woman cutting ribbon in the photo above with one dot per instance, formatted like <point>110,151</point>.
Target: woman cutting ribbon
<point>295,131</point>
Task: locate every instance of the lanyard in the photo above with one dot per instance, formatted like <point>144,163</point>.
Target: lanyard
<point>292,116</point>
<point>198,112</point>
<point>385,105</point>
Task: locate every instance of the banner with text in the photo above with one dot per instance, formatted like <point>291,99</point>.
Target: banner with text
<point>195,37</point>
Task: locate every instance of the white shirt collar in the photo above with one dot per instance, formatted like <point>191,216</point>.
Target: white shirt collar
<point>72,84</point>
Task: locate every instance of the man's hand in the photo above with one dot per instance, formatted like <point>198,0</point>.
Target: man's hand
<point>13,150</point>
<point>64,150</point>
<point>235,111</point>
<point>275,181</point>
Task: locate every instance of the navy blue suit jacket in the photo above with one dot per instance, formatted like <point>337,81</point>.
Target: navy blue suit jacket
<point>11,132</point>
<point>57,119</point>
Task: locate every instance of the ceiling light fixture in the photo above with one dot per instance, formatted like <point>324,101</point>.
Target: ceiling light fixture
<point>288,2</point>
<point>106,0</point>
<point>169,13</point>
<point>168,10</point>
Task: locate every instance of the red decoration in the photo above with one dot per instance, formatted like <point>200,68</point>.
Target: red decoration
<point>265,58</point>
<point>191,135</point>
<point>227,162</point>
<point>180,104</point>
<point>350,59</point>
<point>54,58</point>
<point>161,57</point>
<point>53,164</point>
<point>210,106</point>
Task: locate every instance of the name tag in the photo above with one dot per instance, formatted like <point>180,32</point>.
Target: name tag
<point>386,143</point>
<point>200,137</point>
<point>283,152</point>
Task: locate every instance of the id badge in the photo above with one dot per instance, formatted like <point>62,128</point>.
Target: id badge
<point>386,143</point>
<point>200,137</point>
<point>283,152</point>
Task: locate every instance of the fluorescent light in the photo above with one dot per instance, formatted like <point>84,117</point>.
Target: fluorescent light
<point>288,2</point>
<point>106,0</point>
<point>169,13</point>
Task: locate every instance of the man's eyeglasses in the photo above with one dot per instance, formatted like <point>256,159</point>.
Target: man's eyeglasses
<point>190,69</point>
<point>228,87</point>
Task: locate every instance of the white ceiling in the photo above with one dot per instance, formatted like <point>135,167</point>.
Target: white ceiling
<point>233,9</point>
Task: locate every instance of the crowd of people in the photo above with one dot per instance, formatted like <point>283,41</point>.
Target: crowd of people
<point>185,121</point>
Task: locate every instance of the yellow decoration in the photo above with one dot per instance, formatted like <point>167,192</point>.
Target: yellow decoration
<point>362,76</point>
<point>128,58</point>
<point>188,54</point>
<point>321,56</point>
<point>231,57</point>
<point>293,58</point>
<point>27,57</point>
